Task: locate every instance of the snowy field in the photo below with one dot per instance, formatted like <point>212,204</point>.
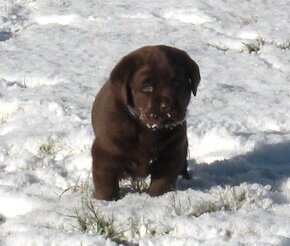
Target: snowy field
<point>55,55</point>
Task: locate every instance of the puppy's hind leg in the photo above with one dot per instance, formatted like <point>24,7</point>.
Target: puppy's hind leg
<point>184,172</point>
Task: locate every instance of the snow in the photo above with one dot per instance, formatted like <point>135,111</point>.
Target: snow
<point>56,54</point>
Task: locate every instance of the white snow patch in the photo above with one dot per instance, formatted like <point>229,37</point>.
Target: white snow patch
<point>57,19</point>
<point>12,205</point>
<point>248,35</point>
<point>216,144</point>
<point>137,16</point>
<point>192,16</point>
<point>8,107</point>
<point>30,81</point>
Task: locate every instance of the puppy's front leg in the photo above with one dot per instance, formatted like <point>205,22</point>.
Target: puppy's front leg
<point>106,184</point>
<point>105,175</point>
<point>161,184</point>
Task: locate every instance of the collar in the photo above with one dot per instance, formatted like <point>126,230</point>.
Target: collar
<point>132,112</point>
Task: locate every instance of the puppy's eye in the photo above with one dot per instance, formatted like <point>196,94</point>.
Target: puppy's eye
<point>147,87</point>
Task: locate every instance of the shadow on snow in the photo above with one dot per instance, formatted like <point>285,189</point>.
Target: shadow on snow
<point>267,164</point>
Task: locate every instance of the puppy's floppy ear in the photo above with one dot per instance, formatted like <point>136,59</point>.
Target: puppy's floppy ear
<point>181,58</point>
<point>124,71</point>
<point>193,73</point>
<point>121,76</point>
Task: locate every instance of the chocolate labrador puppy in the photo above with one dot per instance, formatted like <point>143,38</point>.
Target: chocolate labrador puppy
<point>138,118</point>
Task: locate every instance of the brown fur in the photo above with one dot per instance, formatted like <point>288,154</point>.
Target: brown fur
<point>138,120</point>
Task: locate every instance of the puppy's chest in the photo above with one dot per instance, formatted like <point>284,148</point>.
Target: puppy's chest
<point>149,151</point>
<point>145,159</point>
<point>151,148</point>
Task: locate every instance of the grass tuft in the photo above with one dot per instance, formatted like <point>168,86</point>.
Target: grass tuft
<point>139,185</point>
<point>283,46</point>
<point>80,187</point>
<point>221,204</point>
<point>49,148</point>
<point>3,119</point>
<point>254,46</point>
<point>92,221</point>
<point>230,199</point>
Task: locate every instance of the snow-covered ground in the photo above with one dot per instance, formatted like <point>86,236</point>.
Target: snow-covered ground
<point>55,55</point>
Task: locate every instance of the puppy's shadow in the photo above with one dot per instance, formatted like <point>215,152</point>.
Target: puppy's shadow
<point>267,164</point>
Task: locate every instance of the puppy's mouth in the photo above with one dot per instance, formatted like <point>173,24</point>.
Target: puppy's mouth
<point>170,125</point>
<point>166,121</point>
<point>162,122</point>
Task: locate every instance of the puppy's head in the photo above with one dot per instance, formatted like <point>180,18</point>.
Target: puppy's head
<point>155,83</point>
